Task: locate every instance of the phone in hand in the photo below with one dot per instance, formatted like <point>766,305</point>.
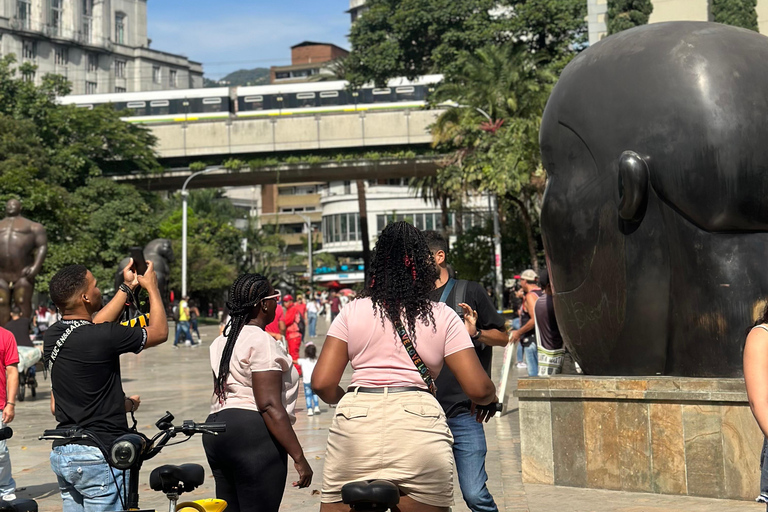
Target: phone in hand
<point>139,263</point>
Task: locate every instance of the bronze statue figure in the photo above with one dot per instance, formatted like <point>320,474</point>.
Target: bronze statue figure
<point>159,252</point>
<point>23,245</point>
<point>655,216</point>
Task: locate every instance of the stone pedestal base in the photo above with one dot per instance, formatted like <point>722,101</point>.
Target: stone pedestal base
<point>668,435</point>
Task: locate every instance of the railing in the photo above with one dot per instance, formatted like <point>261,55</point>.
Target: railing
<point>85,36</point>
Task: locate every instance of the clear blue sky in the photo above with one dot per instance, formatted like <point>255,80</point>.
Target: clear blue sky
<point>227,35</point>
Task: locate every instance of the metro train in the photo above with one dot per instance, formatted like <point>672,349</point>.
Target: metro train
<point>264,100</point>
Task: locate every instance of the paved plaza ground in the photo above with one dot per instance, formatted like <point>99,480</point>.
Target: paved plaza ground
<point>179,380</point>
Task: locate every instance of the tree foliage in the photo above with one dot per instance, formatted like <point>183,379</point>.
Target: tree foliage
<point>739,13</point>
<point>410,38</point>
<point>625,14</point>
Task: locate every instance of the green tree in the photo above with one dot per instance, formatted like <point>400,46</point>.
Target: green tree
<point>501,155</point>
<point>739,13</point>
<point>624,14</point>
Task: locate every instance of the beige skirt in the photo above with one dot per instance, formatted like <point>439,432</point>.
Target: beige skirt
<point>401,437</point>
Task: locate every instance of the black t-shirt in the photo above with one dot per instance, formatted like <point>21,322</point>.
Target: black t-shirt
<point>449,392</point>
<point>20,330</point>
<point>85,379</point>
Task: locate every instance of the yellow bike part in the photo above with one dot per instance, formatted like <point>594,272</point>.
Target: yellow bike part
<point>206,505</point>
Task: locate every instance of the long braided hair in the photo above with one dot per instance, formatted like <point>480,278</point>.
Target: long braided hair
<point>402,274</point>
<point>247,291</point>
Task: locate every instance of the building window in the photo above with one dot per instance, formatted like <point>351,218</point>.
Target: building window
<point>24,13</point>
<point>172,78</point>
<point>156,77</point>
<point>91,87</point>
<point>61,57</point>
<point>29,50</point>
<point>56,17</point>
<point>119,89</point>
<point>344,227</point>
<point>87,24</point>
<point>120,20</point>
<point>93,62</point>
<point>120,69</point>
<point>347,187</point>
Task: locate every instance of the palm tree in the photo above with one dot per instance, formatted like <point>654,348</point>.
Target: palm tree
<point>510,85</point>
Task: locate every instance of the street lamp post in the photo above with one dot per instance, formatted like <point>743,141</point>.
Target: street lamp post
<point>308,223</point>
<point>184,195</point>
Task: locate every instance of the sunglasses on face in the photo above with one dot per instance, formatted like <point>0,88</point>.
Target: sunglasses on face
<point>276,296</point>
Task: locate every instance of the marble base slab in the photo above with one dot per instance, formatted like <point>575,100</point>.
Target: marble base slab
<point>668,435</point>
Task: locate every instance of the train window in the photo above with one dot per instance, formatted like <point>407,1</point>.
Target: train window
<point>404,90</point>
<point>212,105</point>
<point>254,99</point>
<point>253,103</point>
<point>211,101</point>
<point>136,104</point>
<point>159,107</point>
<point>159,103</point>
<point>385,90</point>
<point>89,107</point>
<point>382,95</point>
<point>305,99</point>
<point>329,94</point>
<point>330,98</point>
<point>405,93</point>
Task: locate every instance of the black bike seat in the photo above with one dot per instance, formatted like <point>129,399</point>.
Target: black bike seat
<point>18,505</point>
<point>177,479</point>
<point>370,495</point>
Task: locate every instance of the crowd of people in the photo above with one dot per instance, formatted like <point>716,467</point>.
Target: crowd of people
<point>419,342</point>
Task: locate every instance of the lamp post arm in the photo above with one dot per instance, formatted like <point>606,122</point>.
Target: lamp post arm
<point>184,195</point>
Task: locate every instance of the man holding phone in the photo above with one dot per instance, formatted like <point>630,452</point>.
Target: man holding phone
<point>82,352</point>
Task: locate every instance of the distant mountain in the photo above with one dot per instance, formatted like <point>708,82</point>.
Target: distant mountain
<point>257,76</point>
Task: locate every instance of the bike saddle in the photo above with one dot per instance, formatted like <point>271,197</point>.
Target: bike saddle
<point>372,495</point>
<point>18,505</point>
<point>176,479</point>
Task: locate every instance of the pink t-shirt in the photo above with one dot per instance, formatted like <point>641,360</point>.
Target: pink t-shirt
<point>9,354</point>
<point>255,351</point>
<point>377,354</point>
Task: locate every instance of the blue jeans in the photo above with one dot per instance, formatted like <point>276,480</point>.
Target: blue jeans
<point>7,484</point>
<point>182,327</point>
<point>469,451</point>
<point>310,396</point>
<point>516,326</point>
<point>85,479</point>
<point>312,318</point>
<point>531,355</point>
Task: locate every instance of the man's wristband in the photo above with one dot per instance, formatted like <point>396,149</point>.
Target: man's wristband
<point>125,288</point>
<point>11,403</point>
<point>476,336</point>
<point>133,404</point>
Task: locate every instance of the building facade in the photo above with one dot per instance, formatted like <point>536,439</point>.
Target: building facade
<point>308,61</point>
<point>666,10</point>
<point>356,8</point>
<point>100,46</point>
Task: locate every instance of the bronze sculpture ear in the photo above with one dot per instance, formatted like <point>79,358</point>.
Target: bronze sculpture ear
<point>633,190</point>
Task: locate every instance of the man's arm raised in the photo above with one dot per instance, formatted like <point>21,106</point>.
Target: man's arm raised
<point>157,329</point>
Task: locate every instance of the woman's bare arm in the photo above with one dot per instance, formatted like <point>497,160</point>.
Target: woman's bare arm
<point>756,375</point>
<point>472,378</point>
<point>329,369</point>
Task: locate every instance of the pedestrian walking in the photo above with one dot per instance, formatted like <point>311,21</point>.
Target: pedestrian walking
<point>254,393</point>
<point>307,365</point>
<point>9,387</point>
<point>526,334</point>
<point>486,328</point>
<point>194,315</point>
<point>313,309</point>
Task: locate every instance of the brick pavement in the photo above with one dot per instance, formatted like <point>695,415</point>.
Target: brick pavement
<point>179,381</point>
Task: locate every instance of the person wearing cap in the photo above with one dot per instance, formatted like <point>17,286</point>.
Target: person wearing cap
<point>182,325</point>
<point>551,349</point>
<point>526,334</point>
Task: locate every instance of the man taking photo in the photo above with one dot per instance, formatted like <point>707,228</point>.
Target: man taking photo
<point>83,351</point>
<point>487,329</point>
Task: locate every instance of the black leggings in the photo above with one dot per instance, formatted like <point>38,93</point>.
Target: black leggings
<point>250,467</point>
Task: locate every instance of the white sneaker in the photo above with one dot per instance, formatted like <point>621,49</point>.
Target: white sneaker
<point>187,343</point>
<point>317,410</point>
<point>310,413</point>
<point>522,365</point>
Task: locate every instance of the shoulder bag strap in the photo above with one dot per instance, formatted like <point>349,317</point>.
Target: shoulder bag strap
<point>461,292</point>
<point>423,370</point>
<point>60,342</point>
<point>447,289</point>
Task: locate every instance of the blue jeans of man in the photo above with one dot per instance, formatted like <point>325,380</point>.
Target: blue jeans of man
<point>469,451</point>
<point>312,400</point>
<point>182,327</point>
<point>531,355</point>
<point>86,481</point>
<point>312,319</point>
<point>7,484</point>
<point>516,326</point>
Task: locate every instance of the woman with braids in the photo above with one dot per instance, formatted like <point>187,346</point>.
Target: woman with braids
<point>388,424</point>
<point>254,393</point>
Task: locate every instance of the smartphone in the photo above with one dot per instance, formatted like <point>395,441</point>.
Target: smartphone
<point>139,263</point>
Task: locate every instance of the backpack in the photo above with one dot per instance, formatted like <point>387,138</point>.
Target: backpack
<point>175,313</point>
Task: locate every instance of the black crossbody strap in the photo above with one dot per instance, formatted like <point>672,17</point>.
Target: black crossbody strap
<point>423,370</point>
<point>60,342</point>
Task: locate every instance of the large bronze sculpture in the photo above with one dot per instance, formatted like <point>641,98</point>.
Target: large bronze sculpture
<point>655,216</point>
<point>23,245</point>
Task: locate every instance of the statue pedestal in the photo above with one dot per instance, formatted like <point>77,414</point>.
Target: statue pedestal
<point>668,435</point>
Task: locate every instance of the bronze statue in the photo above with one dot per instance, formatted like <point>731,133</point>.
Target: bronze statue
<point>159,252</point>
<point>23,245</point>
<point>655,216</point>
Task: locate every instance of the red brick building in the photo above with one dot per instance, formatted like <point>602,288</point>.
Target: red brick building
<point>307,59</point>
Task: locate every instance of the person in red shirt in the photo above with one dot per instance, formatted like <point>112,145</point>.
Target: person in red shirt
<point>301,306</point>
<point>292,334</point>
<point>277,327</point>
<point>9,386</point>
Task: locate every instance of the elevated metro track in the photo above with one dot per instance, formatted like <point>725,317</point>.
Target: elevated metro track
<point>183,142</point>
<point>289,173</point>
